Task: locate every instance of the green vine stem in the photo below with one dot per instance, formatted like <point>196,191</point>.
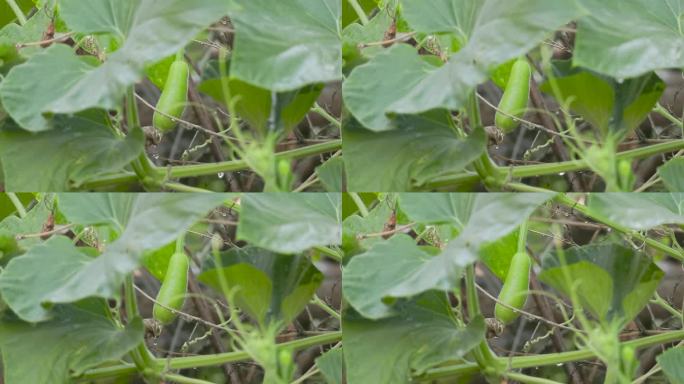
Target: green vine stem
<point>21,211</point>
<point>141,355</point>
<point>333,254</point>
<point>555,168</point>
<point>17,11</point>
<point>327,116</point>
<point>573,204</point>
<point>484,356</point>
<point>213,168</point>
<point>486,169</point>
<point>549,359</point>
<point>359,11</point>
<point>583,209</point>
<point>363,210</point>
<point>208,360</point>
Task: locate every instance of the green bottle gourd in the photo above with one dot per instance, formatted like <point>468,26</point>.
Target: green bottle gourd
<point>515,98</point>
<point>174,97</point>
<point>515,287</point>
<point>173,289</point>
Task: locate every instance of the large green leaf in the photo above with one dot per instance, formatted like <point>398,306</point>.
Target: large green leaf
<point>331,365</point>
<point>356,34</point>
<point>355,225</point>
<point>672,363</point>
<point>13,34</point>
<point>604,102</point>
<point>332,174</point>
<point>627,39</point>
<point>456,17</point>
<point>639,211</point>
<point>497,255</point>
<point>373,87</point>
<point>672,174</point>
<point>369,277</point>
<point>288,223</point>
<point>270,287</point>
<point>283,46</point>
<point>80,148</point>
<point>12,226</point>
<point>493,216</point>
<point>27,296</point>
<point>626,279</point>
<point>422,335</point>
<point>59,81</point>
<point>524,23</point>
<point>79,337</point>
<point>398,268</point>
<point>58,272</point>
<point>438,208</point>
<point>422,148</point>
<point>255,104</point>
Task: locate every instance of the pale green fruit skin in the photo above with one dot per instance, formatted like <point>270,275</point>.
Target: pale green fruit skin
<point>173,98</point>
<point>514,290</point>
<point>515,97</point>
<point>173,289</point>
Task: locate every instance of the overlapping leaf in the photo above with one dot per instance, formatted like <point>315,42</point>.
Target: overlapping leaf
<point>80,147</point>
<point>272,288</point>
<point>422,335</point>
<point>79,337</point>
<point>639,211</point>
<point>482,219</point>
<point>424,147</point>
<point>283,46</point>
<point>152,31</point>
<point>625,278</point>
<point>604,102</point>
<point>288,223</point>
<point>672,174</point>
<point>629,38</point>
<point>497,31</point>
<point>58,272</point>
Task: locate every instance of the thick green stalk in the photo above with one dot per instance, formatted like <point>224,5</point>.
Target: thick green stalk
<point>484,356</point>
<point>141,356</point>
<point>213,168</point>
<point>551,358</point>
<point>486,169</point>
<point>537,170</point>
<point>238,165</point>
<point>208,360</point>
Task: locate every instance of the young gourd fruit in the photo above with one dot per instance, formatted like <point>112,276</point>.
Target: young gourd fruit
<point>174,97</point>
<point>515,98</point>
<point>515,287</point>
<point>173,289</point>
